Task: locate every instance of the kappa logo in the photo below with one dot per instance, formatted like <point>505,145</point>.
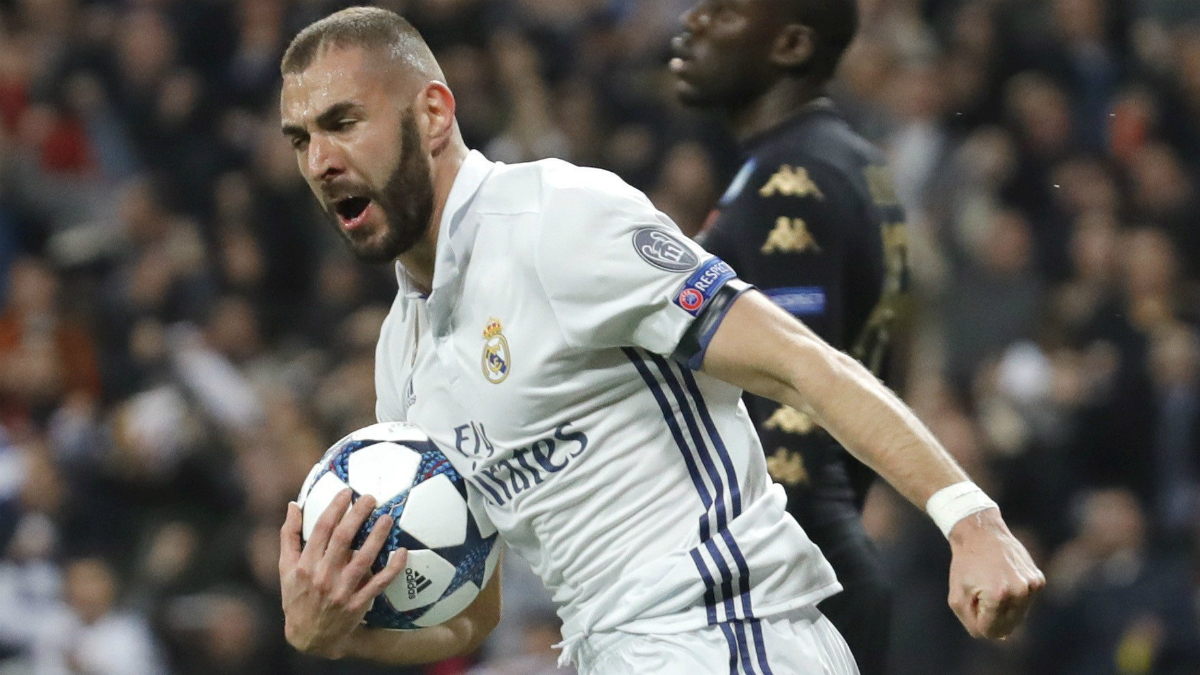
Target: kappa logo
<point>664,249</point>
<point>790,235</point>
<point>415,583</point>
<point>790,421</point>
<point>787,467</point>
<point>496,359</point>
<point>791,182</point>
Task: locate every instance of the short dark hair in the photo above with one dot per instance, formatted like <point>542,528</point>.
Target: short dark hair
<point>835,23</point>
<point>365,27</point>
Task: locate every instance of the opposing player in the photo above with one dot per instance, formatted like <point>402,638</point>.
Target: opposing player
<point>581,363</point>
<point>811,219</point>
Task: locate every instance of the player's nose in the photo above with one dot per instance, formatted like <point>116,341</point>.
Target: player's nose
<point>323,159</point>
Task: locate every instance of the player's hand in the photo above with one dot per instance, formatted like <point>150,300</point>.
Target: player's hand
<point>328,587</point>
<point>992,578</point>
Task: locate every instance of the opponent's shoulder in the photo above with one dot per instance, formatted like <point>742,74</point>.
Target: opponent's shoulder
<point>826,135</point>
<point>821,142</point>
<point>817,158</point>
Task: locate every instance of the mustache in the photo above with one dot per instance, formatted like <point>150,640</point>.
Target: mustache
<point>334,192</point>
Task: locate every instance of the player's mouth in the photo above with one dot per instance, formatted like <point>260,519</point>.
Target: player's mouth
<point>681,49</point>
<point>352,211</point>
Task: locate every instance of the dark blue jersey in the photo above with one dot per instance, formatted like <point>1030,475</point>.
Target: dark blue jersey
<point>813,221</point>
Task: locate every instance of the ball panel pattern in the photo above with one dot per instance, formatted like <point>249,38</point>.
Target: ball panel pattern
<point>396,432</point>
<point>382,470</point>
<point>436,515</point>
<point>471,556</point>
<point>322,493</point>
<point>423,582</point>
<point>450,558</point>
<point>449,606</point>
<point>309,480</point>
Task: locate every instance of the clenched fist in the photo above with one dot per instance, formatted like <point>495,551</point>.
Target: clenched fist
<point>992,578</point>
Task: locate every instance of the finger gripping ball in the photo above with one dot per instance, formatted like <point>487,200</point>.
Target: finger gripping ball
<point>451,546</point>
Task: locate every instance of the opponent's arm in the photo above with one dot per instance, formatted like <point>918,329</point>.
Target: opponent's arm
<point>328,587</point>
<point>763,350</point>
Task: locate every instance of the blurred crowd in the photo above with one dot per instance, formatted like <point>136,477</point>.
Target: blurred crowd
<point>181,334</point>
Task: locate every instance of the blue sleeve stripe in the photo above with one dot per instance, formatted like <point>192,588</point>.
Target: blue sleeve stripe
<point>697,359</point>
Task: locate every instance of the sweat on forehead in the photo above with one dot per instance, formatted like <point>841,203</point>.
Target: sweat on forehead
<point>368,28</point>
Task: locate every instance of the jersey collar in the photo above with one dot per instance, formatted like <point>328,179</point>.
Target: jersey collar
<point>455,232</point>
<point>821,104</point>
<point>456,237</point>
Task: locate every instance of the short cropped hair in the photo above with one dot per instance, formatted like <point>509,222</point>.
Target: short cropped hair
<point>835,23</point>
<point>363,27</point>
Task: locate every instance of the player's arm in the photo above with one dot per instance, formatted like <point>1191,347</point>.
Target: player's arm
<point>328,587</point>
<point>759,347</point>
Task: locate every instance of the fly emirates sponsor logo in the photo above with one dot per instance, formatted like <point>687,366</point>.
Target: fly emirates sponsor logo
<point>525,468</point>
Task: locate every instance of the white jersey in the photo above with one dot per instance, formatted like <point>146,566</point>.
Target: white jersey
<point>633,484</point>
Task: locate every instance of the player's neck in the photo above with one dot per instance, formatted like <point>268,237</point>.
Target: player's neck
<point>418,261</point>
<point>774,107</point>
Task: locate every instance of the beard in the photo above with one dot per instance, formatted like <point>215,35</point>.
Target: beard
<point>405,202</point>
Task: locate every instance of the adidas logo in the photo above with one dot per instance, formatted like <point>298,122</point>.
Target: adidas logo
<point>416,583</point>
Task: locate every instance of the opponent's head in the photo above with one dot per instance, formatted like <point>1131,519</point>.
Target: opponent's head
<point>364,105</point>
<point>732,51</point>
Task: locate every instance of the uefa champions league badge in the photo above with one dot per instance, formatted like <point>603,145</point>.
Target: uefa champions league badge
<point>496,359</point>
<point>664,249</point>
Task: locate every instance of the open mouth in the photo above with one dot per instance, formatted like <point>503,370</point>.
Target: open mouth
<point>681,51</point>
<point>352,210</point>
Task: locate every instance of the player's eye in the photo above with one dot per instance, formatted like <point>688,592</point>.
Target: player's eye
<point>344,124</point>
<point>299,142</point>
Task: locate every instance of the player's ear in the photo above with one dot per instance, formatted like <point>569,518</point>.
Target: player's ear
<point>436,102</point>
<point>794,46</point>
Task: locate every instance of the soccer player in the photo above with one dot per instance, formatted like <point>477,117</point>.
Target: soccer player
<point>581,363</point>
<point>812,221</point>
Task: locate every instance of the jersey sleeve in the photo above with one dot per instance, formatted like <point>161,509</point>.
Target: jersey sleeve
<point>618,273</point>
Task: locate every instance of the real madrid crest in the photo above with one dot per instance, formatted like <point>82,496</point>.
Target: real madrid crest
<point>496,359</point>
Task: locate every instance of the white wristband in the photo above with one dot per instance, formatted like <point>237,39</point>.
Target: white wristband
<point>955,502</point>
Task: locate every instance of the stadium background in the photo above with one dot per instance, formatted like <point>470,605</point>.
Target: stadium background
<point>181,334</point>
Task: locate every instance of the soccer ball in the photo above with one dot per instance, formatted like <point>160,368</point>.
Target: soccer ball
<point>452,550</point>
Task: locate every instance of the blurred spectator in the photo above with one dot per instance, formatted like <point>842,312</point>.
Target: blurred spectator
<point>89,633</point>
<point>44,355</point>
<point>997,298</point>
<point>1175,372</point>
<point>1165,195</point>
<point>1114,606</point>
<point>686,188</point>
<point>531,133</point>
